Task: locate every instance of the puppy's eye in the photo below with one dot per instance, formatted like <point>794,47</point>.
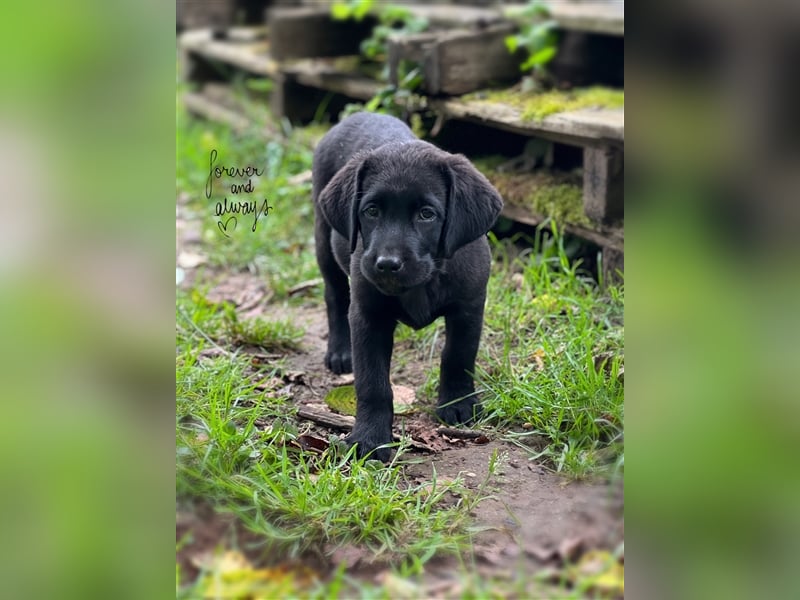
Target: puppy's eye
<point>427,214</point>
<point>371,211</point>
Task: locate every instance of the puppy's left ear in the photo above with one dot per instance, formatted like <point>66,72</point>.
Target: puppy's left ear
<point>473,206</point>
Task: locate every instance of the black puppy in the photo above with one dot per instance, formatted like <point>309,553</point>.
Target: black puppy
<point>407,222</point>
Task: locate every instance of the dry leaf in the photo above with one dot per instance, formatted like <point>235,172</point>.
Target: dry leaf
<point>570,548</point>
<point>538,358</point>
<point>311,443</point>
<point>541,553</point>
<point>600,571</point>
<point>231,575</point>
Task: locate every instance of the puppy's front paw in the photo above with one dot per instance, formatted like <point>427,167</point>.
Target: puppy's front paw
<point>461,412</point>
<point>339,361</point>
<point>367,442</point>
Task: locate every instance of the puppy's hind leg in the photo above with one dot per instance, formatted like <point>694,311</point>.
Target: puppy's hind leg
<point>338,358</point>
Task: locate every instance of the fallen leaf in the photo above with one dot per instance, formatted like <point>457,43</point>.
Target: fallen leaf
<point>351,556</point>
<point>397,587</point>
<point>481,439</point>
<point>538,358</point>
<point>342,400</point>
<point>346,379</point>
<point>231,575</point>
<point>493,554</point>
<point>309,442</point>
<point>599,571</point>
<point>570,548</point>
<point>294,376</point>
<point>541,553</point>
<point>269,384</point>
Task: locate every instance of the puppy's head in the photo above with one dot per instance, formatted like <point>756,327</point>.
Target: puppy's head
<point>411,204</point>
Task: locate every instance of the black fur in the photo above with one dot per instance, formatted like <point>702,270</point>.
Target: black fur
<point>407,222</point>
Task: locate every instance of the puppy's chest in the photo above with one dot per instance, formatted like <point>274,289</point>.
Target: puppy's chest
<point>421,307</point>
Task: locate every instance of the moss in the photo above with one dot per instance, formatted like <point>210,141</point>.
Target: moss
<point>563,202</point>
<point>535,106</point>
<point>549,194</point>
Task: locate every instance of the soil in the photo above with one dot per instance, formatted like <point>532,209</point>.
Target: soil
<point>533,519</point>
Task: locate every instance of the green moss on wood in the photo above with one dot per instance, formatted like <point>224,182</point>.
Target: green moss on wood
<point>558,195</point>
<point>563,202</point>
<point>535,106</point>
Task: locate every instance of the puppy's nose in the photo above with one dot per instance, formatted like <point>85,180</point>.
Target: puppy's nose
<point>385,264</point>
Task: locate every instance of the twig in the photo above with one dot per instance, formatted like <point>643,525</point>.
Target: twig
<point>464,434</point>
<point>329,419</point>
<point>326,418</point>
<point>304,285</point>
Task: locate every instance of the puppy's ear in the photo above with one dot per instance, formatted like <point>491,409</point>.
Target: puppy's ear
<point>472,205</point>
<point>339,200</point>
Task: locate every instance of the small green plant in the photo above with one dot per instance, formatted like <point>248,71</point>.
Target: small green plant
<point>355,9</point>
<point>398,99</point>
<point>392,20</point>
<point>537,36</point>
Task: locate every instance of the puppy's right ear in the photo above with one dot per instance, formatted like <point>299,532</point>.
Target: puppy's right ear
<point>339,200</point>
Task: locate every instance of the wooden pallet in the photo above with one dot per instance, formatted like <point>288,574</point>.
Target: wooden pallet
<point>301,85</point>
<point>601,134</point>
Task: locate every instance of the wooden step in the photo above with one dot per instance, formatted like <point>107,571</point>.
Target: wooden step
<point>585,127</point>
<point>604,17</point>
<point>245,48</point>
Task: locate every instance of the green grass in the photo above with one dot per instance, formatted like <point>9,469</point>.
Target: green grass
<point>299,503</point>
<point>545,324</point>
<point>199,319</point>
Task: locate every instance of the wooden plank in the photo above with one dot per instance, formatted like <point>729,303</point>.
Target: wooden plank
<point>586,127</point>
<point>442,15</point>
<point>607,237</point>
<point>594,17</point>
<point>459,61</point>
<point>603,184</point>
<point>306,32</point>
<point>216,14</point>
<point>468,61</point>
<point>606,17</point>
<point>199,105</point>
<point>613,263</point>
<point>323,75</point>
<point>294,101</point>
<point>221,104</point>
<point>251,55</point>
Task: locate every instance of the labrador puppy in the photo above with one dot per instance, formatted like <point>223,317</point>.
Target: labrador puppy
<point>406,222</point>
